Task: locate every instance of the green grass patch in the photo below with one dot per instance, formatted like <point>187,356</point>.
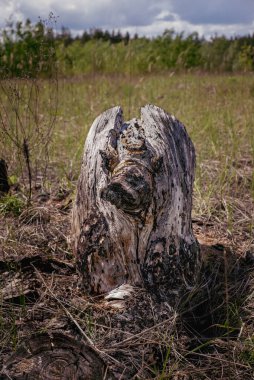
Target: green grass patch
<point>11,205</point>
<point>217,111</point>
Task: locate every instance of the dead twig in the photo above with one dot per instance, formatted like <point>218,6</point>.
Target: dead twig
<point>101,353</point>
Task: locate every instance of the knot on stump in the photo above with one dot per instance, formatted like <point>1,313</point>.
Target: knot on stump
<point>130,187</point>
<point>132,215</point>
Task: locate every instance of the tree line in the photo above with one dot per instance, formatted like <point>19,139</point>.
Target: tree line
<point>32,50</point>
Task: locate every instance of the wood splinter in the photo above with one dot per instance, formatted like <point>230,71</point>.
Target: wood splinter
<point>132,215</point>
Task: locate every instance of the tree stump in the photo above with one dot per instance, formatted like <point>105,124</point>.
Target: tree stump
<point>132,215</point>
<point>54,356</point>
<point>4,185</point>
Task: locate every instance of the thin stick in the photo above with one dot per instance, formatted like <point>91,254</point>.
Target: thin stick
<point>219,359</point>
<point>142,332</point>
<point>88,340</point>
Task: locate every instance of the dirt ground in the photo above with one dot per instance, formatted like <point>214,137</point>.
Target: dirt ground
<point>49,329</point>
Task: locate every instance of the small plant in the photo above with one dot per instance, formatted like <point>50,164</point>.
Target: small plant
<point>247,354</point>
<point>27,117</point>
<point>11,204</point>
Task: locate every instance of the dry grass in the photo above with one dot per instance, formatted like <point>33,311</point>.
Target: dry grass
<point>210,335</point>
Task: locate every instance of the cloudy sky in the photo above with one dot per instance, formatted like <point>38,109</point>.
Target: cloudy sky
<point>145,17</point>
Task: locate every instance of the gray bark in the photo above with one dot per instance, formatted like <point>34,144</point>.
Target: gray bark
<point>132,215</point>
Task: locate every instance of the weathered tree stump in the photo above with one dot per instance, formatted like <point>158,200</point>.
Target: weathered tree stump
<point>4,185</point>
<point>132,214</point>
<point>54,356</point>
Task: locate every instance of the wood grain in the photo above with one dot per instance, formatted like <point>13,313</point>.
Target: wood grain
<point>132,214</point>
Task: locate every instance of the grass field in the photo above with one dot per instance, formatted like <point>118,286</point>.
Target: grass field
<point>218,114</point>
<point>217,111</point>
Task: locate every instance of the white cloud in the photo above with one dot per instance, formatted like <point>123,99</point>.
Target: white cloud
<point>216,12</point>
<point>8,10</point>
<point>145,17</point>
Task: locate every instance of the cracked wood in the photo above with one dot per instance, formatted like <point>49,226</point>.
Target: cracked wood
<point>132,214</point>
